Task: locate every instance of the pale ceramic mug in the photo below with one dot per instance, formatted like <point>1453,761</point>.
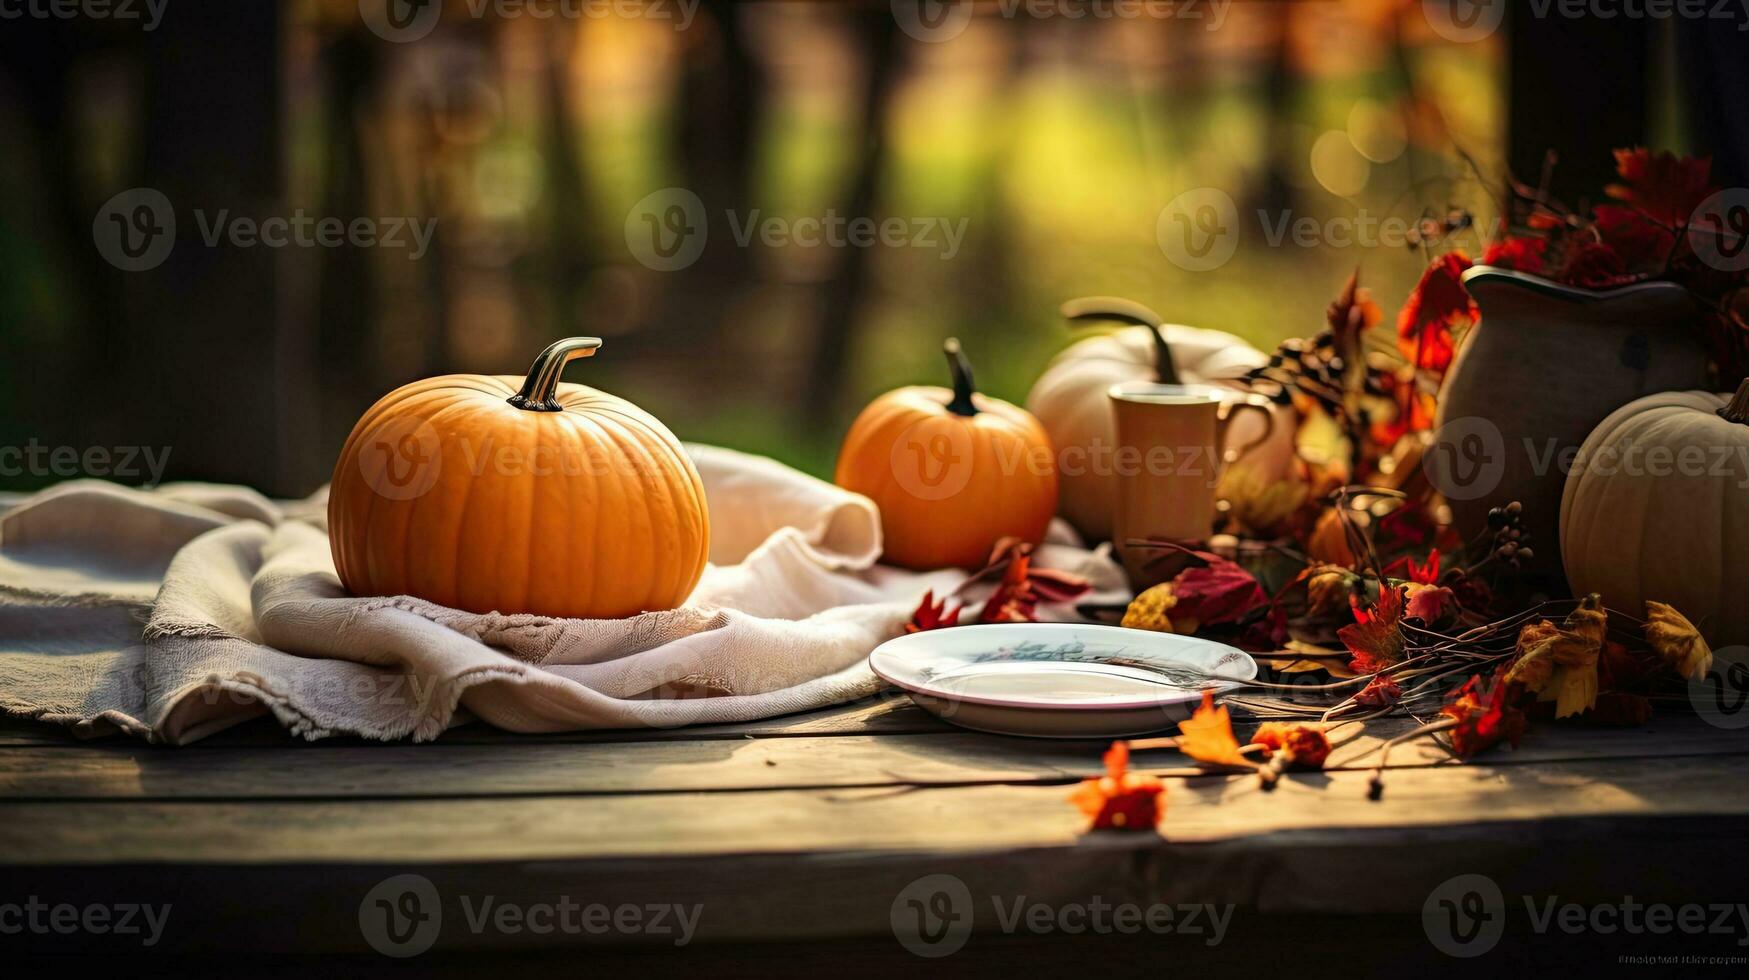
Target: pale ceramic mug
<point>1166,463</point>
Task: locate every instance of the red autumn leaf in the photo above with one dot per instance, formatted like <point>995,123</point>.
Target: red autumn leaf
<point>1216,592</point>
<point>1023,587</point>
<point>1121,800</point>
<point>1523,253</point>
<point>1014,600</point>
<point>1428,603</point>
<point>1380,692</point>
<point>1642,243</point>
<point>1438,303</point>
<point>1415,408</point>
<point>933,615</point>
<point>1375,638</point>
<point>1665,186</point>
<point>1486,713</point>
<point>1425,573</point>
<point>1306,746</point>
<point>1594,265</point>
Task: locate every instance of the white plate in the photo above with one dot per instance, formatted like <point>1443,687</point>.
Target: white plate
<point>1058,680</point>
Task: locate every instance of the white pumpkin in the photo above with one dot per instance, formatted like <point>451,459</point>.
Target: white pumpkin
<point>1656,506</point>
<point>1070,400</point>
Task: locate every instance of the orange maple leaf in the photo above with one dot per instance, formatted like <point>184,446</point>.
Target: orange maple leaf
<point>1207,735</point>
<point>1121,800</point>
<point>1376,637</point>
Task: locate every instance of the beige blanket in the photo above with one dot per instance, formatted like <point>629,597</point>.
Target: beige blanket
<point>175,613</point>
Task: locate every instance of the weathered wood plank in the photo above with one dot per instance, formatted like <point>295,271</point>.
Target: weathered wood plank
<point>142,772</point>
<point>856,820</point>
<point>888,713</point>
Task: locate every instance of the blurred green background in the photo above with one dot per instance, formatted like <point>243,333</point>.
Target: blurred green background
<point>531,141</point>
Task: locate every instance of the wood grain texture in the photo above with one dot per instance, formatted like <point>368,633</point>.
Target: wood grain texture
<point>860,820</point>
<point>142,772</point>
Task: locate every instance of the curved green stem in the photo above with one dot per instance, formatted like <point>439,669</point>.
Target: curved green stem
<point>1112,309</point>
<point>962,379</point>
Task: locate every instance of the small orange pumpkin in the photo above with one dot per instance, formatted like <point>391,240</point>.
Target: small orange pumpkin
<point>952,472</point>
<point>548,498</point>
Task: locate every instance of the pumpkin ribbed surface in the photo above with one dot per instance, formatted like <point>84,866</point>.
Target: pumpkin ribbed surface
<point>448,492</point>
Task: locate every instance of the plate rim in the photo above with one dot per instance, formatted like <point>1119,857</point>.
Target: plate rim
<point>1145,703</point>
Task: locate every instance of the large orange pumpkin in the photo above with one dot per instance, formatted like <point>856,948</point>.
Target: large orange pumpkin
<point>952,472</point>
<point>518,495</point>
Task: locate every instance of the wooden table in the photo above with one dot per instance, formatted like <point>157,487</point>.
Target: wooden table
<point>798,837</point>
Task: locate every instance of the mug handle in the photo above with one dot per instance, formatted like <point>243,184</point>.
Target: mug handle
<point>1230,410</point>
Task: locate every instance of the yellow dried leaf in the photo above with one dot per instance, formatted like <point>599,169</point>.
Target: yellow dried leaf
<point>1677,641</point>
<point>1559,663</point>
<point>1207,735</point>
<point>1148,611</point>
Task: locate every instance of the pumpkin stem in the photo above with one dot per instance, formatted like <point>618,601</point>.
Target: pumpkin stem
<point>1738,409</point>
<point>1106,309</point>
<point>542,384</point>
<point>962,379</point>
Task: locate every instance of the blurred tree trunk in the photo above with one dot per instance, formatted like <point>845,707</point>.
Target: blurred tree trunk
<point>1577,87</point>
<point>845,292</point>
<point>218,381</point>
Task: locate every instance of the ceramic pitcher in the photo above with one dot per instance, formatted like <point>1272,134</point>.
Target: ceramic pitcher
<point>1546,363</point>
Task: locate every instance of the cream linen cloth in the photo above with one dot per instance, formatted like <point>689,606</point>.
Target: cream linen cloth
<point>176,613</point>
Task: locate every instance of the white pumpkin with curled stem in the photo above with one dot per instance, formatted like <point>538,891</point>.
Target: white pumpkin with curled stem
<point>1656,507</point>
<point>1070,399</point>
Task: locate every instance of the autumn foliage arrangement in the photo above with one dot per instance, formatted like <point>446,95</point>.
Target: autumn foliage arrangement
<point>1348,581</point>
